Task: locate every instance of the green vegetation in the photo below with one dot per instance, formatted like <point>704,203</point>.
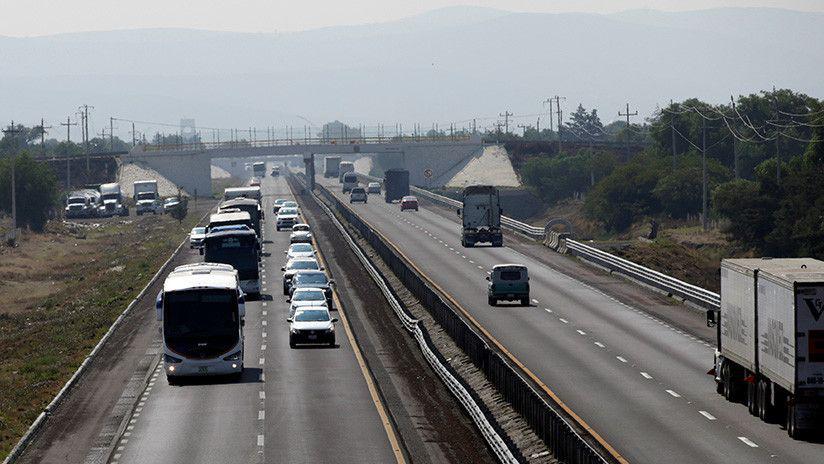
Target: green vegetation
<point>36,187</point>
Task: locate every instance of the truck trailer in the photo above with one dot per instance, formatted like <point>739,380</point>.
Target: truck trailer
<point>770,340</point>
<point>331,166</point>
<point>146,198</point>
<point>481,216</point>
<point>395,184</point>
<point>343,168</point>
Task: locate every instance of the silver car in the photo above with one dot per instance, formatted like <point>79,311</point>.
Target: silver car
<point>301,233</point>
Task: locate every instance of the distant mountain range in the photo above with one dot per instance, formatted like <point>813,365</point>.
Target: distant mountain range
<point>446,65</point>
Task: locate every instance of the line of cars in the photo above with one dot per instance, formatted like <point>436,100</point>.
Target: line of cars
<point>305,282</point>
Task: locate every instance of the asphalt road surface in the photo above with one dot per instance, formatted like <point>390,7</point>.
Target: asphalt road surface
<point>292,405</point>
<point>637,380</point>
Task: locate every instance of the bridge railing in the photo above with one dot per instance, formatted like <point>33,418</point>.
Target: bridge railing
<point>302,141</point>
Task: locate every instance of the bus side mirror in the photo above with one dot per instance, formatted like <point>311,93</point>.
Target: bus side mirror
<point>487,277</point>
<point>712,317</point>
<point>289,319</point>
<point>459,212</point>
<point>283,269</point>
<point>159,305</point>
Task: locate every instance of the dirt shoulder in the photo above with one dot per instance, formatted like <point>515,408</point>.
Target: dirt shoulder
<point>62,290</point>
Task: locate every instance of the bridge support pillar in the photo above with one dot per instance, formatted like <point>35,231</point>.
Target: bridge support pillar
<point>191,172</point>
<point>309,164</point>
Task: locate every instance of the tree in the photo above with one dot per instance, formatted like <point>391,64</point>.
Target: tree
<point>587,123</point>
<point>36,188</point>
<point>180,210</point>
<point>748,209</point>
<point>560,177</point>
<point>679,192</point>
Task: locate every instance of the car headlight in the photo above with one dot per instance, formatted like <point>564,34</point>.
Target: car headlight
<point>234,356</point>
<point>171,359</point>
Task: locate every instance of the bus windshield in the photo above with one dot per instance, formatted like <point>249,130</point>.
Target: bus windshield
<point>201,323</point>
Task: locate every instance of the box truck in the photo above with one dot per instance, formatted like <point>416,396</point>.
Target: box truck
<point>331,166</point>
<point>343,168</point>
<point>395,184</point>
<point>146,198</point>
<point>481,216</point>
<point>770,339</point>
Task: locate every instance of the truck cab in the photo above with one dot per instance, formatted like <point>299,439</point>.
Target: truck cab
<point>508,282</point>
<point>146,197</point>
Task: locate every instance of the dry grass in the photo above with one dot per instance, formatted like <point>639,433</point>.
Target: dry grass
<point>61,290</point>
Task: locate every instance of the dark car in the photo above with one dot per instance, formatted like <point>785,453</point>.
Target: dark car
<point>409,202</point>
<point>313,279</point>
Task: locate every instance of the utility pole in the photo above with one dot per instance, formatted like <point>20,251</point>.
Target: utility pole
<point>672,132</point>
<point>111,133</point>
<point>627,114</point>
<point>704,219</point>
<point>84,111</point>
<point>13,130</point>
<point>560,119</point>
<point>68,125</point>
<point>549,100</point>
<point>506,115</point>
<point>43,128</point>
<point>134,136</point>
<point>523,128</point>
<point>736,174</point>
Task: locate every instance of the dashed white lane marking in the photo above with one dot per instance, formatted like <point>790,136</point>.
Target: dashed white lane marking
<point>261,414</point>
<point>548,310</point>
<point>535,301</point>
<point>673,393</point>
<point>600,345</point>
<point>646,376</point>
<point>264,334</point>
<point>480,267</point>
<point>581,332</point>
<point>263,322</point>
<point>264,303</point>
<point>264,313</point>
<point>748,442</point>
<point>262,394</point>
<point>260,440</point>
<point>563,320</point>
<point>471,262</point>
<point>707,415</point>
<point>620,358</point>
<point>262,347</point>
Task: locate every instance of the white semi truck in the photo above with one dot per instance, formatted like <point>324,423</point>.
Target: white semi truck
<point>112,201</point>
<point>481,216</point>
<point>82,204</point>
<point>770,340</point>
<point>146,198</point>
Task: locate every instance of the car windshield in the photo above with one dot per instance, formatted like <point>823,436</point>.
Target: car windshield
<point>311,278</point>
<point>284,211</point>
<point>78,200</point>
<point>300,228</point>
<point>303,265</point>
<point>290,204</point>
<point>312,315</point>
<point>280,201</point>
<point>308,295</point>
<point>199,231</point>
<point>300,248</point>
<point>357,190</point>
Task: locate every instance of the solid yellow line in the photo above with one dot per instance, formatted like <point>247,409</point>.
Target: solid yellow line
<point>581,422</point>
<point>370,384</point>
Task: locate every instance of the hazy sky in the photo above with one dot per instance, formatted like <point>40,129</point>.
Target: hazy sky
<point>43,17</point>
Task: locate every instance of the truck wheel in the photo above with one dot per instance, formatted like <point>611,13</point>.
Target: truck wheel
<point>753,397</point>
<point>766,410</point>
<point>726,378</point>
<point>791,423</point>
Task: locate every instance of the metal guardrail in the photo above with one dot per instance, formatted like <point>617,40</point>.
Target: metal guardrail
<point>498,445</point>
<point>565,441</point>
<point>302,141</point>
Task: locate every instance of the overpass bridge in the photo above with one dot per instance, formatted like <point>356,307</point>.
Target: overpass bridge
<point>189,165</point>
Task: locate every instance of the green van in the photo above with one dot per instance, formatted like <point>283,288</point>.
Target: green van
<point>508,282</point>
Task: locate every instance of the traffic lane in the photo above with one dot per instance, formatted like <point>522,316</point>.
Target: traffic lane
<point>507,328</point>
<point>318,406</point>
<point>635,338</point>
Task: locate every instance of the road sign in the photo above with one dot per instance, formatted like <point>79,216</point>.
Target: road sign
<point>427,173</point>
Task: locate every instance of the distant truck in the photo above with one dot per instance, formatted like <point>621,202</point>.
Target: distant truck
<point>350,181</point>
<point>146,198</point>
<point>259,169</point>
<point>343,168</point>
<point>395,184</point>
<point>331,166</point>
<point>770,340</point>
<point>112,201</point>
<point>481,216</point>
<point>82,204</point>
<point>242,192</point>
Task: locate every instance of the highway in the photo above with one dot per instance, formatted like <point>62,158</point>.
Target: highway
<point>641,383</point>
<point>292,405</point>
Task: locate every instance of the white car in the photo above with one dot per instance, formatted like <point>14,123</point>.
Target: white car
<point>295,265</point>
<point>301,233</point>
<point>313,325</point>
<point>196,237</point>
<point>373,187</point>
<point>300,250</point>
<point>287,217</point>
<point>306,297</point>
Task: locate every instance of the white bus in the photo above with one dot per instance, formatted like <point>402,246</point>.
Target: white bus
<point>237,246</point>
<point>242,192</point>
<point>201,308</point>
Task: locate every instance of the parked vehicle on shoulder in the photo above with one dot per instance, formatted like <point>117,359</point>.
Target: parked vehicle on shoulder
<point>508,282</point>
<point>286,218</point>
<point>169,204</point>
<point>196,237</point>
<point>201,309</point>
<point>301,233</point>
<point>313,325</point>
<point>111,201</point>
<point>300,250</point>
<point>146,198</point>
<point>409,202</point>
<point>313,279</point>
<point>373,187</point>
<point>294,266</point>
<point>358,194</point>
<point>82,204</point>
